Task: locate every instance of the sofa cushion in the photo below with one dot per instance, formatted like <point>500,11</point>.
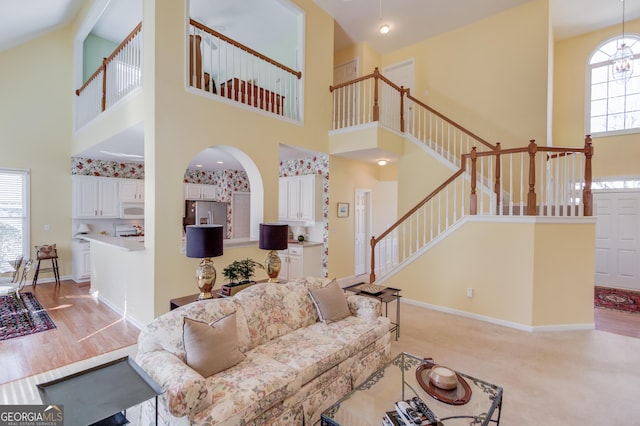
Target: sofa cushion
<point>211,348</point>
<point>165,332</point>
<point>246,390</point>
<point>309,354</point>
<point>271,310</point>
<point>352,332</point>
<point>330,302</point>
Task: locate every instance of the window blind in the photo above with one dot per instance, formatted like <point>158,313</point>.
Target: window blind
<point>14,213</point>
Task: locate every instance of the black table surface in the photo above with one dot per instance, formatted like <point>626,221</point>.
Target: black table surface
<point>100,392</point>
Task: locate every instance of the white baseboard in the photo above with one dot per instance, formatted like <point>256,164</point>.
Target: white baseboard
<point>139,325</point>
<point>514,325</point>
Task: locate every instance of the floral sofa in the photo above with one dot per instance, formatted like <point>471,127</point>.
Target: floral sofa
<point>294,365</point>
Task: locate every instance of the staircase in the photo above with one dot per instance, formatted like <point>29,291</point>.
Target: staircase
<point>487,180</point>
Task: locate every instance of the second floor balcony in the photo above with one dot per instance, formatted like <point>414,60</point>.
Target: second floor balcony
<point>218,65</point>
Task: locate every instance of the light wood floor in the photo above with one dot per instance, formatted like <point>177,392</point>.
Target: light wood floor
<point>87,328</point>
<point>84,328</point>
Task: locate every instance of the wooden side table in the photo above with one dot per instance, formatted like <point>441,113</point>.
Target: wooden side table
<point>184,300</point>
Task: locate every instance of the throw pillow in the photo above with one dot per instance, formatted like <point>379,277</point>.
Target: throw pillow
<point>330,302</point>
<point>211,348</point>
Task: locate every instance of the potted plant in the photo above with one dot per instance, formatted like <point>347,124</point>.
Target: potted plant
<point>240,271</point>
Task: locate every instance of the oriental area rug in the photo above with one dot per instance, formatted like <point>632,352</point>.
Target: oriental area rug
<point>15,323</point>
<point>618,299</point>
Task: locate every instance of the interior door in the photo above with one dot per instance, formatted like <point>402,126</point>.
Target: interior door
<point>362,230</point>
<point>347,104</point>
<point>617,257</point>
<point>403,74</point>
<point>240,214</point>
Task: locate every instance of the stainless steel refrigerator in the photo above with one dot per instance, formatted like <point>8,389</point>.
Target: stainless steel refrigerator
<point>206,212</point>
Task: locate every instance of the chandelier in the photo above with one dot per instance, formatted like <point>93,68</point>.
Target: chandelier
<point>622,60</point>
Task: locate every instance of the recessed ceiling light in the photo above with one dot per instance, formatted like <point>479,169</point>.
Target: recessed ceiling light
<point>384,29</point>
<point>219,162</point>
<point>382,162</point>
<point>199,166</point>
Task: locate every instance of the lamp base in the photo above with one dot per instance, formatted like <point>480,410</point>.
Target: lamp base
<point>273,266</point>
<point>205,278</point>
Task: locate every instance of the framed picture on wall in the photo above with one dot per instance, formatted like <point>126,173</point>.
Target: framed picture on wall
<point>343,209</point>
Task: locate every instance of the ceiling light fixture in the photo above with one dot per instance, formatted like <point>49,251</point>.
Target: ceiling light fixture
<point>383,28</point>
<point>622,60</point>
<point>382,162</point>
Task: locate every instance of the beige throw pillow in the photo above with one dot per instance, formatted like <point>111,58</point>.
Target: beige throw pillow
<point>211,348</point>
<point>330,302</point>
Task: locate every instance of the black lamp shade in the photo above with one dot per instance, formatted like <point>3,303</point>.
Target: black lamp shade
<point>204,241</point>
<point>274,236</point>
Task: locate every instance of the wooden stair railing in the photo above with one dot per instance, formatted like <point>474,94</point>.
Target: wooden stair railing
<point>563,201</point>
<point>375,98</point>
<point>105,62</point>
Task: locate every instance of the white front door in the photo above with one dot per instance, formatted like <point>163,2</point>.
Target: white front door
<point>362,230</point>
<point>617,257</point>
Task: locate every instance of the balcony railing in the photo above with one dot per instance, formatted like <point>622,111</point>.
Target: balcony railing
<point>225,67</point>
<point>117,76</point>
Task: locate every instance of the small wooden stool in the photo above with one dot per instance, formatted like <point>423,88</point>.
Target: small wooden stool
<point>47,252</point>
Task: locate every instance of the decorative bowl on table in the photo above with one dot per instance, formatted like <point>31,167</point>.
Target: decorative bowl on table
<point>443,377</point>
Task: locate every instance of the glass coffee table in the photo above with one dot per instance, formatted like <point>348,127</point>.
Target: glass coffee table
<point>475,403</point>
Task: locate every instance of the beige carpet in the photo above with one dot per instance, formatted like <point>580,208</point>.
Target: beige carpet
<point>551,378</point>
<point>559,378</point>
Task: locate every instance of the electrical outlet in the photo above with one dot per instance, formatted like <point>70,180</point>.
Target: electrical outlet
<point>469,292</point>
<point>47,227</point>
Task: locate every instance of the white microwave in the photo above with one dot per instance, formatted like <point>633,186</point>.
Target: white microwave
<point>131,210</point>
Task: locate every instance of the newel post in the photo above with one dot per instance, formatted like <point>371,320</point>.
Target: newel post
<point>496,187</point>
<point>372,274</point>
<point>531,197</point>
<point>587,196</point>
<point>376,107</point>
<point>473,200</point>
<point>104,84</point>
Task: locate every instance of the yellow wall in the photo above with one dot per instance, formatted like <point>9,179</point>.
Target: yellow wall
<point>614,155</point>
<point>180,124</point>
<point>513,269</point>
<point>347,176</point>
<point>35,129</point>
<point>490,76</point>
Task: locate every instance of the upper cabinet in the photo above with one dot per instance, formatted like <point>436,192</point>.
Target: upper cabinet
<point>194,191</point>
<point>95,197</point>
<point>131,189</point>
<point>300,198</point>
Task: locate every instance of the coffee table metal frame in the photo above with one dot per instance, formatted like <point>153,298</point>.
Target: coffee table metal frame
<point>100,392</point>
<point>488,397</point>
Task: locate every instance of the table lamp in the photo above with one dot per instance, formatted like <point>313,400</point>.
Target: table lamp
<point>205,242</point>
<point>273,236</point>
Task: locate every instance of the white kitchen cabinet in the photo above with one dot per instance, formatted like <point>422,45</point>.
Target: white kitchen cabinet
<point>301,260</point>
<point>95,197</point>
<point>81,257</point>
<point>300,198</point>
<point>196,191</point>
<point>130,189</point>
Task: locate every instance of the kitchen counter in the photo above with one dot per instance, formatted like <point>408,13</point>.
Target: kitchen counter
<point>122,243</point>
<point>303,243</point>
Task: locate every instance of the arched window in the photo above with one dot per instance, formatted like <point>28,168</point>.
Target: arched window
<point>613,104</point>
